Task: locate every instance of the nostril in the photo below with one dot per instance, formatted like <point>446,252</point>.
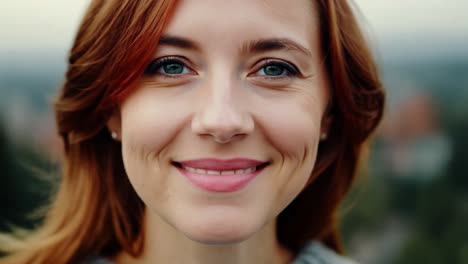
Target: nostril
<point>222,126</point>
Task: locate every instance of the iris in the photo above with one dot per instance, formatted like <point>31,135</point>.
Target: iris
<point>273,70</point>
<point>172,68</point>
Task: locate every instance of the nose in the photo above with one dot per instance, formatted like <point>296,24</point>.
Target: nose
<point>222,115</point>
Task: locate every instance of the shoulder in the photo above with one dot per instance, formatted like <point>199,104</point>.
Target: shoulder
<point>317,253</point>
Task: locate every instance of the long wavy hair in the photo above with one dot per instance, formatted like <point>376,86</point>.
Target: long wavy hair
<point>96,211</point>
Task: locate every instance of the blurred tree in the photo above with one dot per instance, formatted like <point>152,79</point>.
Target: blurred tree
<point>441,210</point>
<point>435,212</point>
<point>21,191</point>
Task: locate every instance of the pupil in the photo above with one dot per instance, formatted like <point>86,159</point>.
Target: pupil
<point>173,68</point>
<point>273,70</point>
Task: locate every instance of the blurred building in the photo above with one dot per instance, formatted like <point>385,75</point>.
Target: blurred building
<point>413,144</point>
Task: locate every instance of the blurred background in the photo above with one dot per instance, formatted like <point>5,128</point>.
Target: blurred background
<point>410,206</point>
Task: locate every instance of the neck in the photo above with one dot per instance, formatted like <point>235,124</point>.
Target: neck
<point>164,244</point>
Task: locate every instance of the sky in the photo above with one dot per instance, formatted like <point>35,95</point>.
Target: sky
<point>51,24</point>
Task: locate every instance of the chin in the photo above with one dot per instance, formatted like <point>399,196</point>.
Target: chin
<point>220,232</point>
<point>225,238</point>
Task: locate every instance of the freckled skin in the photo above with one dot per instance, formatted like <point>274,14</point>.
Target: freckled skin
<point>224,109</point>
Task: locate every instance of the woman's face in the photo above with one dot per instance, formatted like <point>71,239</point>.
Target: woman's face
<point>234,86</point>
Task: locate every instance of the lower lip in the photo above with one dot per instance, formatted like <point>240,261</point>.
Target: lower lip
<point>220,183</point>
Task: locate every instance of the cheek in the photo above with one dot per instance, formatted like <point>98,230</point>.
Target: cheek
<point>148,123</point>
<point>151,119</point>
<point>291,134</point>
<point>292,125</point>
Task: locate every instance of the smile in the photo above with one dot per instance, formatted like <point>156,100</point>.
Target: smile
<point>214,175</point>
<point>214,172</point>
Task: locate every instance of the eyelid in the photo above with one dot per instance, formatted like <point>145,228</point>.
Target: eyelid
<point>290,67</point>
<point>158,62</point>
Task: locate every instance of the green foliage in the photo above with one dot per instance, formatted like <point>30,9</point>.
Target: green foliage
<point>366,206</point>
<point>421,249</point>
<point>21,191</point>
<point>436,211</point>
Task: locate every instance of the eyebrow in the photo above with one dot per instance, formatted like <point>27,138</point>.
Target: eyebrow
<point>272,44</point>
<point>179,42</point>
<point>254,46</point>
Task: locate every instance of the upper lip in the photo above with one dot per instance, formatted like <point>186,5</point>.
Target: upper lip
<point>221,164</point>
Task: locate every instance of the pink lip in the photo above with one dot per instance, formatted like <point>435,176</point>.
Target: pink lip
<point>220,183</point>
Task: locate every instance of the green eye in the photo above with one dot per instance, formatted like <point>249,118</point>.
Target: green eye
<point>172,68</point>
<point>167,66</point>
<point>273,70</point>
<point>277,69</point>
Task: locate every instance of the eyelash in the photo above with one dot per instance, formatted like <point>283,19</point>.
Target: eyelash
<point>154,67</point>
<point>291,70</point>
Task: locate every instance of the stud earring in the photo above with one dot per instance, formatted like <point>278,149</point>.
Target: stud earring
<point>114,134</point>
<point>323,136</point>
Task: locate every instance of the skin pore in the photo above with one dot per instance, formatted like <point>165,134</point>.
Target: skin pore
<point>230,79</point>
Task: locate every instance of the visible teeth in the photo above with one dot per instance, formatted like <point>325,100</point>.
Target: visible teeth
<point>213,172</point>
<point>189,169</point>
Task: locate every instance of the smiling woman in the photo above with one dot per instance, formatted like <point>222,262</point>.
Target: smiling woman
<point>226,130</point>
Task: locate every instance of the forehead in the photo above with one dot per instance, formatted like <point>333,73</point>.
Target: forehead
<point>229,21</point>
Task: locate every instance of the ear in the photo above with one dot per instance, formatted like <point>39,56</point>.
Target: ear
<point>114,125</point>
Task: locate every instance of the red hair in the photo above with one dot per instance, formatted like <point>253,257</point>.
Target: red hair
<point>356,109</point>
<point>96,211</point>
